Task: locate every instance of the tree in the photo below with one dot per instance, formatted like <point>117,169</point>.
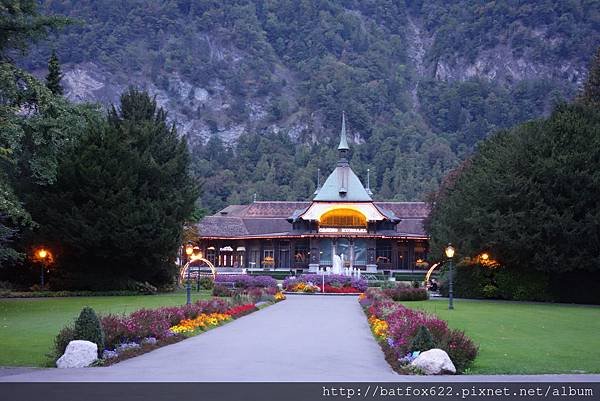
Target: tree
<point>590,93</point>
<point>21,23</point>
<point>123,193</point>
<point>529,196</point>
<point>54,75</point>
<point>34,125</point>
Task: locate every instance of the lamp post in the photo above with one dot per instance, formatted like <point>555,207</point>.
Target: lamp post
<point>42,255</point>
<point>450,254</point>
<point>189,250</point>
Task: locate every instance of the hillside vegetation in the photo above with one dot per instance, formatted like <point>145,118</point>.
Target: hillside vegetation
<point>258,87</point>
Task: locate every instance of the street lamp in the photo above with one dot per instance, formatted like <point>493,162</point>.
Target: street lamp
<point>485,256</point>
<point>450,254</point>
<point>189,251</point>
<point>42,254</point>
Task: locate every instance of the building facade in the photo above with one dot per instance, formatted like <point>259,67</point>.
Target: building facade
<point>342,219</point>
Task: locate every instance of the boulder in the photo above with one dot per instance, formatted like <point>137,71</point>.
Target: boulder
<point>79,354</point>
<point>434,362</point>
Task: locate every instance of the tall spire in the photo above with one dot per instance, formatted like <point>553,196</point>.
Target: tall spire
<point>343,141</point>
<point>343,146</point>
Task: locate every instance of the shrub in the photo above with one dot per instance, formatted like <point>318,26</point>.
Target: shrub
<point>460,348</point>
<point>422,341</point>
<point>407,294</point>
<point>490,291</point>
<point>63,338</point>
<point>87,327</point>
<point>246,281</point>
<point>206,283</point>
<point>221,291</point>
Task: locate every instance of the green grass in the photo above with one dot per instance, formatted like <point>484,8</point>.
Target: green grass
<point>28,326</point>
<point>525,338</point>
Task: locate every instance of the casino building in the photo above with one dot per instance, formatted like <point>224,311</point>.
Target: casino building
<point>342,219</point>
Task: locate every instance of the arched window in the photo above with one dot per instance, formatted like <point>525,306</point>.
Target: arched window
<point>343,218</point>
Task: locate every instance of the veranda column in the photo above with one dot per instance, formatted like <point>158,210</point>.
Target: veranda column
<point>351,254</point>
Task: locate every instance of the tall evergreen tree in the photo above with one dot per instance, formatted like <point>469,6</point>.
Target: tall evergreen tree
<point>123,193</point>
<point>590,93</point>
<point>54,75</point>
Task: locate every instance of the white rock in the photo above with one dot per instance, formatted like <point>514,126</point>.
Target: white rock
<point>434,362</point>
<point>79,354</point>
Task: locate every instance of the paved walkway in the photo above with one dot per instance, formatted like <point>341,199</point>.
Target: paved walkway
<point>305,338</point>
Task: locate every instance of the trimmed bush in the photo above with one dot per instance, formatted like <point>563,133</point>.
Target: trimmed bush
<point>422,340</point>
<point>221,291</point>
<point>407,294</point>
<point>87,327</point>
<point>206,283</point>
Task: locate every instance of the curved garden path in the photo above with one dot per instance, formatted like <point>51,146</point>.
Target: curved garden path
<point>305,338</point>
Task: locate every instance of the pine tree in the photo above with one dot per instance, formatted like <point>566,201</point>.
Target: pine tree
<point>54,75</point>
<point>121,199</point>
<point>590,93</point>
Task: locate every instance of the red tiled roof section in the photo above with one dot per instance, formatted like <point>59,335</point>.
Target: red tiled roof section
<point>221,226</point>
<point>407,210</point>
<point>280,209</point>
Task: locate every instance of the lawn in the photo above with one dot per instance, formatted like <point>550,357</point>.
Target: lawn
<point>28,326</point>
<point>525,338</point>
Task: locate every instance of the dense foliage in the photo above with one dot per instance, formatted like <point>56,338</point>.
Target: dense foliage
<point>118,206</point>
<point>35,125</point>
<point>529,197</point>
<point>319,58</point>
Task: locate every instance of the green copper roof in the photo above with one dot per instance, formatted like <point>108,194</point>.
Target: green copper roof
<point>342,185</point>
<point>343,140</point>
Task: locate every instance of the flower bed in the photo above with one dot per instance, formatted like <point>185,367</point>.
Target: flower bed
<point>334,283</point>
<point>246,281</point>
<point>203,322</point>
<point>130,335</point>
<point>396,326</point>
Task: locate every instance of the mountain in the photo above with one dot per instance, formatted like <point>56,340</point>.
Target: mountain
<point>258,87</point>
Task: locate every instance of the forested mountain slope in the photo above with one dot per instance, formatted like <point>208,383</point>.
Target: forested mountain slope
<point>258,86</point>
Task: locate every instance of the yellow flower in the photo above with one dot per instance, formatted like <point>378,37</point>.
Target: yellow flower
<point>379,327</point>
<point>202,321</point>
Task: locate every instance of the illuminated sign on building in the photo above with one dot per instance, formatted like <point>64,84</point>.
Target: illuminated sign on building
<point>342,230</point>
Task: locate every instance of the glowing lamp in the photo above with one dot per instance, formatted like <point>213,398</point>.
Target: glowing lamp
<point>449,251</point>
<point>42,253</point>
<point>189,249</point>
<point>485,256</point>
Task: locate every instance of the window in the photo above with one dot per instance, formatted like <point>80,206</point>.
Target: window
<point>301,253</point>
<point>383,253</point>
<point>211,254</point>
<point>343,218</point>
<point>253,258</point>
<point>284,258</point>
<point>268,258</point>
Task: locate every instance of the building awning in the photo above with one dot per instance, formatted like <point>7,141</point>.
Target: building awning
<point>226,249</point>
<point>241,249</point>
<point>318,209</point>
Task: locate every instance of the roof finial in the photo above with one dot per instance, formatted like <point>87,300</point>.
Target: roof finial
<point>318,181</point>
<point>369,182</point>
<point>343,141</point>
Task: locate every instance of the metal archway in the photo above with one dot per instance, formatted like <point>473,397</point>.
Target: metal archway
<point>431,269</point>
<point>184,269</point>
